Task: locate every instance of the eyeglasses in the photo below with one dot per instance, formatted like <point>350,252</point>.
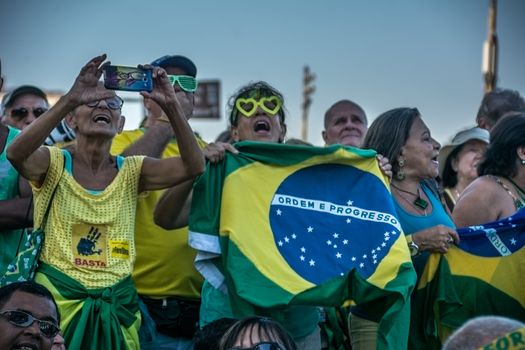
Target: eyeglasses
<point>22,319</point>
<point>248,106</point>
<point>186,82</point>
<point>21,113</point>
<point>262,346</point>
<point>112,102</point>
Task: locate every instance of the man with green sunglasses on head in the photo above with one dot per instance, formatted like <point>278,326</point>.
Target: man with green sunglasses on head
<point>170,292</point>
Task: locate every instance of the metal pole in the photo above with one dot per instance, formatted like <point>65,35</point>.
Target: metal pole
<point>308,90</point>
<point>304,124</point>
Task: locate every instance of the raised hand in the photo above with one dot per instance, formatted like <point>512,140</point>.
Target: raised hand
<point>86,87</point>
<point>163,91</point>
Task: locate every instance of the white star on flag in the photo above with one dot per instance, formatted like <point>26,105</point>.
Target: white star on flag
<point>349,202</point>
<point>302,258</point>
<point>338,255</point>
<point>348,221</point>
<point>329,242</point>
<point>278,211</point>
<point>364,256</point>
<point>336,235</point>
<point>280,243</point>
<point>345,242</point>
<point>513,241</point>
<point>286,239</point>
<point>294,236</point>
<point>310,228</point>
<point>361,265</point>
<point>353,258</point>
<point>303,249</point>
<point>312,263</point>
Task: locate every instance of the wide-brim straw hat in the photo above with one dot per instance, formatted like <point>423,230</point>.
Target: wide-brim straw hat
<point>459,139</point>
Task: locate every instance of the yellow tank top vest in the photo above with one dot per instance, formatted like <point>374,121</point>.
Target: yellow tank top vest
<point>164,266</point>
<point>89,237</point>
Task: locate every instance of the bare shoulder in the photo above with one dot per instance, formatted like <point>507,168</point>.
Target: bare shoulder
<point>483,187</point>
<point>482,201</point>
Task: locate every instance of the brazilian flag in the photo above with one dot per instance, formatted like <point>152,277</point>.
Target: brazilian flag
<point>483,275</point>
<point>280,225</point>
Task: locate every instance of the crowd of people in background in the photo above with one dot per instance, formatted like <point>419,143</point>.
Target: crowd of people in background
<point>116,268</point>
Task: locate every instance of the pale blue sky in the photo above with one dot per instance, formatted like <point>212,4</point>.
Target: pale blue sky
<point>380,53</point>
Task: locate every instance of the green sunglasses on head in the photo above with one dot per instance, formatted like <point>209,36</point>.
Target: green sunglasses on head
<point>186,82</point>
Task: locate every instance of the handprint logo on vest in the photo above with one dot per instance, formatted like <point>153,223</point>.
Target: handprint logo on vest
<point>86,246</point>
<point>90,245</point>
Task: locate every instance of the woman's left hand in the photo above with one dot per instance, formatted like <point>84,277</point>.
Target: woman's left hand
<point>385,166</point>
<point>436,239</point>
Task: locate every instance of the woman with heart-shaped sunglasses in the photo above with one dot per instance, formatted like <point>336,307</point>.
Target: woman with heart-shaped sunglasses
<point>257,113</point>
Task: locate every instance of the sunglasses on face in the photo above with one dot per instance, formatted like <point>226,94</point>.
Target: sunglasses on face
<point>112,102</point>
<point>22,319</point>
<point>262,346</point>
<point>21,113</point>
<point>248,106</point>
<point>186,82</point>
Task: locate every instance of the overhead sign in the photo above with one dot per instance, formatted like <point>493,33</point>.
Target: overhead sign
<point>207,100</point>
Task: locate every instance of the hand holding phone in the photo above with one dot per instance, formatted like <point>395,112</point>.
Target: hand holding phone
<point>127,78</point>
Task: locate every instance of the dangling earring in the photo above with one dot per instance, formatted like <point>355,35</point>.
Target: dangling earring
<point>523,161</point>
<point>400,175</point>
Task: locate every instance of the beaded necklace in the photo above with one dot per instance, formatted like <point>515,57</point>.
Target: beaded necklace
<point>518,202</point>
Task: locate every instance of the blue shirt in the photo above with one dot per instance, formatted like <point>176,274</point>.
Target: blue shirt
<point>411,223</point>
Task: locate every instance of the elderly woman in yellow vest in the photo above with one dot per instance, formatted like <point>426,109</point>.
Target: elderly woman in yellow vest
<point>89,249</point>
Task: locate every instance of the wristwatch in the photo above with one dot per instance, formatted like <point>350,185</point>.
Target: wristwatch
<point>413,247</point>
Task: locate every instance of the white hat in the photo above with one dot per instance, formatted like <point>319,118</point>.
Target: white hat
<point>458,140</point>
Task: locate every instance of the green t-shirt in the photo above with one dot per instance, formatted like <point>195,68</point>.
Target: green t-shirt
<point>9,239</point>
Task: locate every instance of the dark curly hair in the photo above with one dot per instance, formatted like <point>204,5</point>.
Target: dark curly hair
<point>209,336</point>
<point>505,138</point>
<point>264,89</point>
<point>255,328</point>
<point>498,102</point>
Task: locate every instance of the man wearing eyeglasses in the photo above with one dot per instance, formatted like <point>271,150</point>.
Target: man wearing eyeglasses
<point>169,289</point>
<point>29,317</point>
<point>23,105</point>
